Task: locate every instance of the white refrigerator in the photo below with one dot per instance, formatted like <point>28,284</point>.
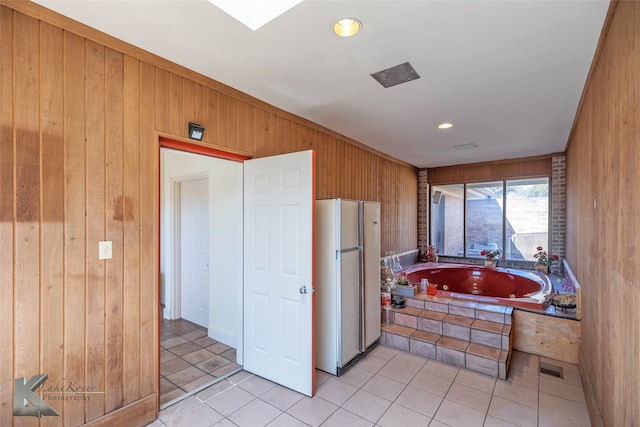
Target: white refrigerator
<point>347,281</point>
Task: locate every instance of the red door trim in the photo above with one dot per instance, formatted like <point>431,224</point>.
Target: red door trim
<point>201,149</point>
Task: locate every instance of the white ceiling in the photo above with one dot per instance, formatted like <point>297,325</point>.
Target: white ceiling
<point>508,74</point>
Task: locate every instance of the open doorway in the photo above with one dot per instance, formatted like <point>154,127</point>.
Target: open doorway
<point>260,257</point>
<point>200,270</point>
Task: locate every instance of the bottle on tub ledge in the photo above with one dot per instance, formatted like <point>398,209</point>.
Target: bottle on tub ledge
<point>386,273</point>
<point>428,288</point>
<point>424,283</point>
<point>385,303</point>
<point>396,264</point>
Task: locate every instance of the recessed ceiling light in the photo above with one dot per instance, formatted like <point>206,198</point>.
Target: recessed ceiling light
<point>445,125</point>
<point>347,27</point>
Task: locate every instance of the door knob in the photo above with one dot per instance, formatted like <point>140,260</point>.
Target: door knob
<point>303,290</point>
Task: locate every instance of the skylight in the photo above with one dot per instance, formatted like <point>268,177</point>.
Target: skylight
<point>255,13</point>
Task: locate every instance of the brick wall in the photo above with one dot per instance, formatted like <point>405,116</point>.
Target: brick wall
<point>423,208</point>
<point>454,227</point>
<point>558,208</point>
<point>484,223</point>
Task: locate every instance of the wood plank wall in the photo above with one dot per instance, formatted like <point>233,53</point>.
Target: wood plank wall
<point>603,226</point>
<point>527,167</point>
<point>79,116</point>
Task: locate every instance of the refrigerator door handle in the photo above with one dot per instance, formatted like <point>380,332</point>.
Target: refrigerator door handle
<point>345,250</point>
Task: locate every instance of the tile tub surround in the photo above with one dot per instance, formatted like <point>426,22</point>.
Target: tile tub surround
<point>458,332</point>
<point>391,388</point>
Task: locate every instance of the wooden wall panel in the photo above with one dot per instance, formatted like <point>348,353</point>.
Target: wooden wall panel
<point>27,204</point>
<point>222,119</point>
<point>115,203</point>
<point>212,121</point>
<point>163,100</point>
<point>7,220</point>
<point>231,137</point>
<point>52,234</point>
<point>177,126</point>
<point>603,169</point>
<point>80,114</point>
<point>96,208</point>
<point>75,245</point>
<point>201,109</point>
<point>251,122</point>
<point>149,299</point>
<point>131,223</point>
<point>241,127</point>
<point>189,102</point>
<point>503,169</point>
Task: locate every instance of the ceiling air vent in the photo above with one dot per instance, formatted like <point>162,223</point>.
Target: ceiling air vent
<point>395,75</point>
<point>469,146</point>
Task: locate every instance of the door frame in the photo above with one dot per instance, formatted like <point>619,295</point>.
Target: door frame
<point>177,143</point>
<point>185,146</point>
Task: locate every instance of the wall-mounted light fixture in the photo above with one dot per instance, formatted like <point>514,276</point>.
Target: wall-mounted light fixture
<point>195,131</point>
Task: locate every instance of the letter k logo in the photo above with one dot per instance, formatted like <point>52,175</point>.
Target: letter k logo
<point>23,393</point>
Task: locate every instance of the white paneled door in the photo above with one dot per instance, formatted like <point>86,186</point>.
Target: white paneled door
<point>278,269</point>
<point>194,251</point>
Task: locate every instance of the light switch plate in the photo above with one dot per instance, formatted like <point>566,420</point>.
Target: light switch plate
<point>104,250</point>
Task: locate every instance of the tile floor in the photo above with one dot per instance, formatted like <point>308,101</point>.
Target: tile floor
<point>391,388</point>
<point>189,359</point>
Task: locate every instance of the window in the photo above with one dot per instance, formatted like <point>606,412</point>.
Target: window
<point>511,215</point>
<point>447,219</point>
<point>484,220</point>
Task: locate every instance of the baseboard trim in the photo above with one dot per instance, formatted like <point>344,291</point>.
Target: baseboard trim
<point>137,414</point>
<point>223,336</point>
<point>595,416</point>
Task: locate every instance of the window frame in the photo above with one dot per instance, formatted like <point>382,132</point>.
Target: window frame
<point>504,212</point>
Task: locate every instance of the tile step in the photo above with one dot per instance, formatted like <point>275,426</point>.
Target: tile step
<point>473,330</point>
<point>458,332</point>
<point>461,307</point>
<point>439,315</point>
<point>481,358</point>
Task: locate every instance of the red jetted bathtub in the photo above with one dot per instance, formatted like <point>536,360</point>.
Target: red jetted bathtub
<point>518,288</point>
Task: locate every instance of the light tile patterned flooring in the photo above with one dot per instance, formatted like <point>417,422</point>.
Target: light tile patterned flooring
<point>189,359</point>
<point>391,388</point>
